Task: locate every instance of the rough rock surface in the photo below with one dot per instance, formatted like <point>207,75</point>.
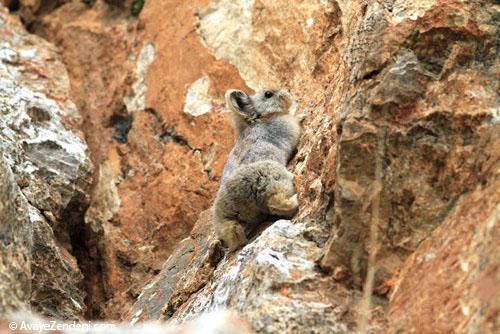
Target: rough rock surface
<point>397,170</point>
<point>400,105</point>
<point>97,48</point>
<point>462,255</point>
<point>424,100</point>
<point>273,281</point>
<point>157,162</point>
<point>16,243</point>
<point>46,172</point>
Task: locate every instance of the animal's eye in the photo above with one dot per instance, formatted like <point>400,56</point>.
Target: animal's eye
<point>268,94</point>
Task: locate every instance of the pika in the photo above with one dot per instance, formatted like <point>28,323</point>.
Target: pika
<point>255,183</point>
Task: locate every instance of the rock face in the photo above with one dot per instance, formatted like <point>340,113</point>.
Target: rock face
<point>397,170</point>
<point>400,111</point>
<point>417,107</point>
<point>273,281</point>
<point>157,162</point>
<point>45,172</point>
<point>16,243</point>
<point>464,266</point>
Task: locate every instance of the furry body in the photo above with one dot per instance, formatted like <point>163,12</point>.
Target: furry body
<point>255,182</point>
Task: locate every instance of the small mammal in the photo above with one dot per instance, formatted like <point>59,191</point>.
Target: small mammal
<point>255,182</point>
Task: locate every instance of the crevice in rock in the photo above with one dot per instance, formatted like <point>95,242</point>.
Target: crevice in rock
<point>121,123</point>
<point>170,134</point>
<point>371,74</point>
<point>84,248</point>
<point>13,5</point>
<point>70,230</point>
<point>104,117</point>
<point>136,7</point>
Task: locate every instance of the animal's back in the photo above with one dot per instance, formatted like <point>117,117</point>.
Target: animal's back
<point>273,139</point>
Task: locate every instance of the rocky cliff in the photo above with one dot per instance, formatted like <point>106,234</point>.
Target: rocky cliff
<point>398,169</point>
<point>46,176</point>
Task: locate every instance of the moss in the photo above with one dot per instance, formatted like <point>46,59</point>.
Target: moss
<point>136,7</point>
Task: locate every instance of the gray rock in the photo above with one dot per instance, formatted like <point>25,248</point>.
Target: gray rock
<point>15,244</point>
<point>46,172</point>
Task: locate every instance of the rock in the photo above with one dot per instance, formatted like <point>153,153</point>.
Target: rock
<point>16,244</point>
<point>399,108</point>
<point>197,100</point>
<point>462,255</point>
<point>185,272</point>
<point>399,104</point>
<point>226,27</point>
<point>273,281</point>
<point>157,166</point>
<point>47,171</point>
<point>432,145</point>
<point>57,284</point>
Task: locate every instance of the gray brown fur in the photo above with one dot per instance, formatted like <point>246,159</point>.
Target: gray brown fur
<point>255,182</point>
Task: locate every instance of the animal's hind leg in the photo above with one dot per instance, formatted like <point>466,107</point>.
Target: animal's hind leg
<point>231,233</point>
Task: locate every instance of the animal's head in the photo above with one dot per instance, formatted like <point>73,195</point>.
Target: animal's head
<point>261,105</point>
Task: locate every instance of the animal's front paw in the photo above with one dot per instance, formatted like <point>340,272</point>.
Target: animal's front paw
<point>233,235</point>
<point>284,207</point>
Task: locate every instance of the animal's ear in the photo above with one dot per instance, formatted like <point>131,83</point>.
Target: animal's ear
<point>238,101</point>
